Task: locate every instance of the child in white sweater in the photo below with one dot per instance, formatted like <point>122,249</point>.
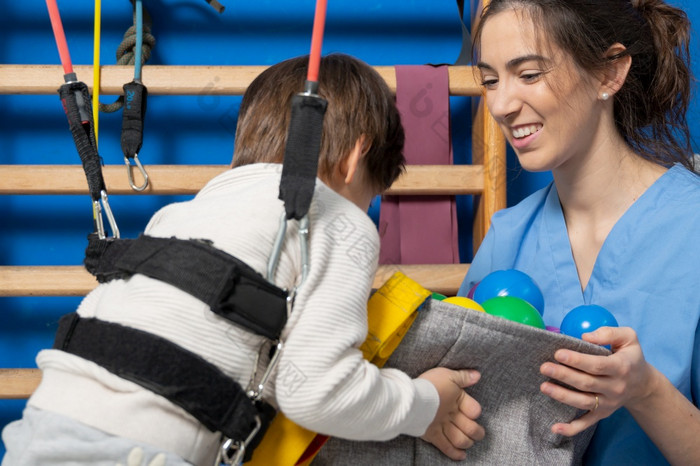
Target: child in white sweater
<point>82,413</point>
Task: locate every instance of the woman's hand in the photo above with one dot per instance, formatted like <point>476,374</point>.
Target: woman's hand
<point>606,383</point>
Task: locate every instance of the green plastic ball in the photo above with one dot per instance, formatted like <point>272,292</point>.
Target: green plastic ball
<point>515,309</point>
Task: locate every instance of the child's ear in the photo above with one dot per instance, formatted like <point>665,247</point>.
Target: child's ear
<point>352,161</point>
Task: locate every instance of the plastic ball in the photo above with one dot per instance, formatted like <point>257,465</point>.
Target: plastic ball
<point>464,302</point>
<point>515,309</point>
<point>510,282</point>
<point>438,296</point>
<point>586,318</point>
<point>470,294</point>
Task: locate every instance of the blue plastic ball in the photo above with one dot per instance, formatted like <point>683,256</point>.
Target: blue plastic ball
<point>510,282</point>
<point>586,318</point>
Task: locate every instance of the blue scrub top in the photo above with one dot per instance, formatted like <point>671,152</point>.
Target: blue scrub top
<point>647,274</point>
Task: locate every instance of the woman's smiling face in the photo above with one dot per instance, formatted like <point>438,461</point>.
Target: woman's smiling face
<point>548,110</point>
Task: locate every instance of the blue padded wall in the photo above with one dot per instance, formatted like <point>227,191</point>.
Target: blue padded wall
<point>199,129</point>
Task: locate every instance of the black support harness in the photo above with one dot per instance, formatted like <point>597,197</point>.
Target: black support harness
<point>231,289</point>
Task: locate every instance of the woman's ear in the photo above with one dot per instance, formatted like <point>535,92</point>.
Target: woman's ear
<point>616,71</point>
<point>352,161</point>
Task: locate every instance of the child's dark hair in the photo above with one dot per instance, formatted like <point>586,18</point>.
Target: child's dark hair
<point>650,108</point>
<point>360,104</point>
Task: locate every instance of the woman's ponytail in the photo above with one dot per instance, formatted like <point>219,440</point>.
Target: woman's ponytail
<point>666,80</point>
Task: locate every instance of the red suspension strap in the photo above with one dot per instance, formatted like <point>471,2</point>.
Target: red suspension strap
<point>317,41</point>
<point>60,36</point>
<point>76,104</point>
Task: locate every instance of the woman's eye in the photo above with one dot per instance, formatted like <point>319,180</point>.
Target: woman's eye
<point>531,77</point>
<point>489,83</point>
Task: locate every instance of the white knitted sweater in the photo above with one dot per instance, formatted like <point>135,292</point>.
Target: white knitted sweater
<point>322,381</point>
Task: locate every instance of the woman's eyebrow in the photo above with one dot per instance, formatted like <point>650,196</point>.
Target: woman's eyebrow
<point>515,62</point>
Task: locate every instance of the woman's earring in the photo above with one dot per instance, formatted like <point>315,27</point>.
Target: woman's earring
<point>605,96</point>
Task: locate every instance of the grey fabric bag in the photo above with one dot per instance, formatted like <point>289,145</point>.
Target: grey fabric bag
<point>517,417</point>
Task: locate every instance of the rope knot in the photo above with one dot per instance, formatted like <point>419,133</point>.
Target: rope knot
<point>126,53</point>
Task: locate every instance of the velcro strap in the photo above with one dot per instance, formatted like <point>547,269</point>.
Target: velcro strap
<point>101,254</point>
<point>184,378</point>
<point>230,287</point>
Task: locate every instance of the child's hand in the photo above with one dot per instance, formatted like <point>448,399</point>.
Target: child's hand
<point>454,428</point>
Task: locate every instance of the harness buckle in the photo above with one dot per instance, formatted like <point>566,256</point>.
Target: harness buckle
<point>232,451</point>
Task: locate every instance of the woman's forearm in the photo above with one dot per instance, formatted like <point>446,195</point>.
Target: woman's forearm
<point>670,420</point>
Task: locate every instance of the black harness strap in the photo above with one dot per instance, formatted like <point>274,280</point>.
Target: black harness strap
<point>76,103</point>
<point>300,164</point>
<point>464,57</point>
<point>194,384</point>
<point>230,287</point>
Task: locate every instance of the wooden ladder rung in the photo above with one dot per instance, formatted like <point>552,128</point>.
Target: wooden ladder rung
<point>18,383</point>
<point>183,80</point>
<point>440,278</point>
<point>189,179</point>
<point>74,280</point>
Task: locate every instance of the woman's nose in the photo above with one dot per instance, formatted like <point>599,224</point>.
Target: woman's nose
<point>503,101</point>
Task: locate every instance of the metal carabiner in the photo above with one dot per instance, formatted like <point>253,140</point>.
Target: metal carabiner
<point>278,345</point>
<point>131,177</point>
<point>232,452</point>
<point>304,246</point>
<point>255,394</point>
<point>276,249</point>
<point>279,242</point>
<point>97,216</point>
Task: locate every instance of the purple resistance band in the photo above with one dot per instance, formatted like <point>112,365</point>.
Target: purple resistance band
<point>421,229</point>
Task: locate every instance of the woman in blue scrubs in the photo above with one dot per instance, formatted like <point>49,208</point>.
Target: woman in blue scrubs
<point>597,93</point>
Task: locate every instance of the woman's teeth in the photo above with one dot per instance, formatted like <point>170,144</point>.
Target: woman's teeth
<point>525,131</point>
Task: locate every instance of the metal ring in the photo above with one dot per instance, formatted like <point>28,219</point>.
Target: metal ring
<point>596,404</point>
